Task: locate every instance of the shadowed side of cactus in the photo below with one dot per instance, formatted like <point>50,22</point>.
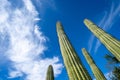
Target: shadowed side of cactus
<point>96,71</point>
<point>112,44</point>
<point>74,66</point>
<point>50,73</point>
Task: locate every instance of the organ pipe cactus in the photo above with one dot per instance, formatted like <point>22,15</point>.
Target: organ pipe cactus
<point>96,71</point>
<point>74,66</point>
<point>112,44</point>
<point>50,73</point>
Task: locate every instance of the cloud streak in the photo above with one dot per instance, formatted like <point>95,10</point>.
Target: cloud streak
<point>24,42</point>
<point>110,17</point>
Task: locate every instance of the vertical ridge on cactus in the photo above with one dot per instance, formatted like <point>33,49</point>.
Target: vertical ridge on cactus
<point>74,66</point>
<point>112,44</point>
<point>50,73</point>
<point>96,71</point>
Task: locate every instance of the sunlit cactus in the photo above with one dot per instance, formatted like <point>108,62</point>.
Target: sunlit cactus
<point>112,44</point>
<point>74,66</point>
<point>50,73</point>
<point>96,71</point>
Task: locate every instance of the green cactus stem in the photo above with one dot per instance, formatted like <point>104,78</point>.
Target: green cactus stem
<point>74,66</point>
<point>96,71</point>
<point>112,44</point>
<point>50,73</point>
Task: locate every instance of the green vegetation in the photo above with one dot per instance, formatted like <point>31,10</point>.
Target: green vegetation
<point>111,59</point>
<point>74,66</point>
<point>116,73</point>
<point>116,68</point>
<point>96,71</point>
<point>50,73</point>
<point>112,44</point>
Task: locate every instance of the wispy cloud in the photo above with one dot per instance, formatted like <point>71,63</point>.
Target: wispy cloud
<point>47,3</point>
<point>42,5</point>
<point>91,40</point>
<point>24,42</point>
<point>110,17</point>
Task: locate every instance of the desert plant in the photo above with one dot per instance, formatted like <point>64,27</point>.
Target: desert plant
<point>115,64</point>
<point>116,73</point>
<point>111,59</point>
<point>50,73</point>
<point>112,44</point>
<point>96,71</point>
<point>73,64</point>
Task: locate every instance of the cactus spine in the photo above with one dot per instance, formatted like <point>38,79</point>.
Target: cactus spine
<point>50,73</point>
<point>112,44</point>
<point>96,71</point>
<point>74,66</point>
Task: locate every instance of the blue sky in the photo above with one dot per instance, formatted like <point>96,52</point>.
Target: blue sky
<point>28,38</point>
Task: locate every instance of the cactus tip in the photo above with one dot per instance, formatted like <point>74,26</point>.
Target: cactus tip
<point>58,23</point>
<point>87,22</point>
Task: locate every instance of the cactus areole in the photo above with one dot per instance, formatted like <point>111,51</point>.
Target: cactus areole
<point>50,73</point>
<point>74,67</point>
<point>112,44</point>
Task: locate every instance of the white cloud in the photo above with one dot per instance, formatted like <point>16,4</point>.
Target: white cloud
<point>91,41</point>
<point>15,74</point>
<point>25,42</point>
<point>43,5</point>
<point>46,3</point>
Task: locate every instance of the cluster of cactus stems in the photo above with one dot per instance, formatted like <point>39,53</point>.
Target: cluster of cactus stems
<point>96,71</point>
<point>112,44</point>
<point>50,73</point>
<point>74,66</point>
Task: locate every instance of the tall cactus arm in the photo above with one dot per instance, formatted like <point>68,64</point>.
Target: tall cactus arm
<point>112,44</point>
<point>96,71</point>
<point>50,73</point>
<point>74,66</point>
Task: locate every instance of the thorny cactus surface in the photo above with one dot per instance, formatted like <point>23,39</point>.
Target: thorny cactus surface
<point>112,44</point>
<point>50,73</point>
<point>96,71</point>
<point>74,66</point>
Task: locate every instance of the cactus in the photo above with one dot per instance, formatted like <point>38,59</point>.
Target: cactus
<point>74,66</point>
<point>96,71</point>
<point>112,44</point>
<point>50,73</point>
